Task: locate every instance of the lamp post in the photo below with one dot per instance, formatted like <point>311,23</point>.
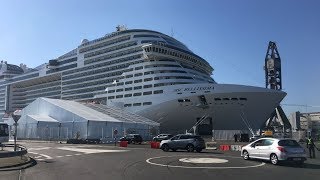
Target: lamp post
<point>16,116</point>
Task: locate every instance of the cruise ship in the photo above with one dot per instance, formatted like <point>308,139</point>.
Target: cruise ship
<point>145,72</point>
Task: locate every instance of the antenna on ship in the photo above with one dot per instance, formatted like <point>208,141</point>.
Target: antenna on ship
<point>172,33</point>
<point>273,78</point>
<point>121,28</point>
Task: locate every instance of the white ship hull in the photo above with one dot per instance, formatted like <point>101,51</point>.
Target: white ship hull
<point>175,117</point>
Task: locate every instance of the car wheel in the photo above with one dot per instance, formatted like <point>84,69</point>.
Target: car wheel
<point>274,159</point>
<point>198,150</point>
<point>190,148</point>
<point>165,147</point>
<point>245,155</point>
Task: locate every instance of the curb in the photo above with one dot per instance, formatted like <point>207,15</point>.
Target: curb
<point>16,164</point>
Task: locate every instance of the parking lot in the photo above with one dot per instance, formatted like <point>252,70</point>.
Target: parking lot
<point>83,161</point>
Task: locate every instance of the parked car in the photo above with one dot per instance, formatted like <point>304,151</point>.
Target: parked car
<point>161,137</point>
<point>132,138</point>
<point>274,150</point>
<point>183,141</point>
<point>254,137</point>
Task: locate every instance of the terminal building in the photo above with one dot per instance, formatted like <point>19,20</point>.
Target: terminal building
<point>305,124</point>
<point>55,119</point>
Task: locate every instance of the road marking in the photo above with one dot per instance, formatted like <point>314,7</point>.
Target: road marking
<point>78,154</point>
<point>68,155</point>
<point>33,153</point>
<point>203,160</point>
<point>39,149</point>
<point>46,156</point>
<point>90,151</point>
<point>59,156</point>
<point>199,167</point>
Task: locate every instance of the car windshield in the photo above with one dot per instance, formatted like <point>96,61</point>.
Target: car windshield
<point>291,143</point>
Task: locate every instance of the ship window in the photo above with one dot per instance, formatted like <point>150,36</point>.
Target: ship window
<point>137,94</point>
<point>138,81</point>
<point>119,96</point>
<point>129,82</point>
<point>138,74</point>
<point>217,99</point>
<point>119,90</point>
<point>234,99</point>
<point>147,79</point>
<point>129,76</point>
<point>111,91</point>
<point>138,68</point>
<point>206,91</point>
<point>243,99</point>
<point>193,92</point>
<point>127,105</point>
<point>147,86</point>
<point>137,87</point>
<point>136,104</point>
<point>147,93</point>
<point>111,97</point>
<point>147,103</point>
<point>226,99</point>
<point>180,100</point>
<point>158,92</point>
<point>128,95</point>
<point>186,100</point>
<point>120,84</point>
<point>128,89</point>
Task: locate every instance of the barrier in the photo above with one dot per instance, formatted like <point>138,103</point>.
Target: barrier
<point>224,147</point>
<point>236,148</point>
<point>155,145</point>
<point>211,145</point>
<point>123,144</point>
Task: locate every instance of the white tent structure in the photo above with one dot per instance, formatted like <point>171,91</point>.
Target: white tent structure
<point>50,119</point>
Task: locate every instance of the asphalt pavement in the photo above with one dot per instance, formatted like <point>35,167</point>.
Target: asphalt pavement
<point>75,161</point>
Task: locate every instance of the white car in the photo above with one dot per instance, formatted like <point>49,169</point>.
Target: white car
<point>275,150</point>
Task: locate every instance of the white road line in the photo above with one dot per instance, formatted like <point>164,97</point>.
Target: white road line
<point>77,154</point>
<point>33,153</point>
<point>90,151</point>
<point>199,167</point>
<point>68,155</point>
<point>39,149</point>
<point>59,156</point>
<point>46,156</point>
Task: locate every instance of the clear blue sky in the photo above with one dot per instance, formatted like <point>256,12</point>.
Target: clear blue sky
<point>231,35</point>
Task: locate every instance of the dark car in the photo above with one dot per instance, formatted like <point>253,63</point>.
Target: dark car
<point>161,137</point>
<point>132,138</point>
<point>183,141</point>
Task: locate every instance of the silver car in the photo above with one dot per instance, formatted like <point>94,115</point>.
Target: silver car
<point>275,150</point>
<point>183,141</point>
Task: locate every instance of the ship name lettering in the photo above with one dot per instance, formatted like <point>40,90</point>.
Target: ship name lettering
<point>198,88</point>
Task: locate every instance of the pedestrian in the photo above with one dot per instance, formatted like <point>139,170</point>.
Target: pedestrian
<point>235,137</point>
<point>311,146</point>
